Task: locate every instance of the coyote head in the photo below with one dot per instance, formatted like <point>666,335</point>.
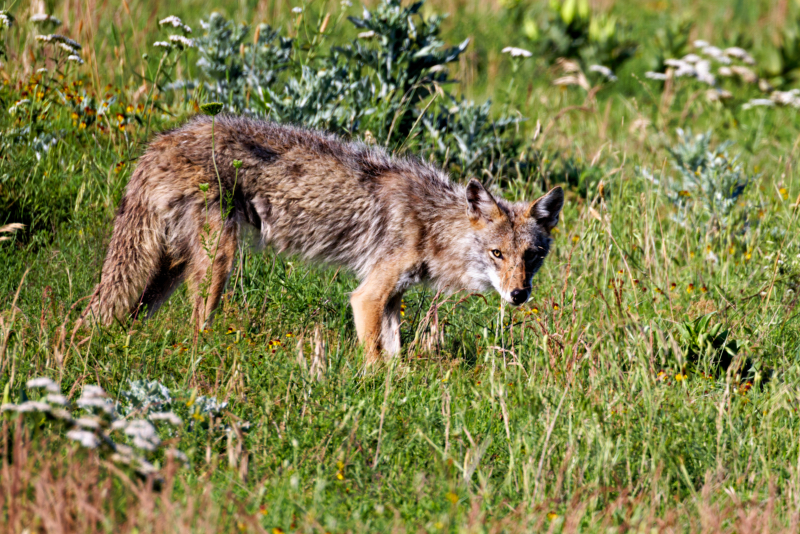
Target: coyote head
<point>512,239</point>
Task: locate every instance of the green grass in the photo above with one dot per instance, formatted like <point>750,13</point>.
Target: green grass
<point>577,412</point>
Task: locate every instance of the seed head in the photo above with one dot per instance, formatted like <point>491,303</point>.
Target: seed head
<point>211,108</point>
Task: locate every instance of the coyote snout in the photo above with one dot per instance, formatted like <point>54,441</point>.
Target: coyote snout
<point>395,222</point>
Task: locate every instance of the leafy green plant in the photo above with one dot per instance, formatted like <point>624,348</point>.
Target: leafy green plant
<point>238,71</point>
<point>710,178</point>
<point>569,29</point>
<point>708,345</point>
<point>152,400</point>
<point>781,64</point>
<point>408,60</point>
<point>465,138</point>
<point>671,40</point>
<point>390,81</point>
<point>581,177</point>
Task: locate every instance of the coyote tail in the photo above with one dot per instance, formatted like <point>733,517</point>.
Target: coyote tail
<point>132,260</point>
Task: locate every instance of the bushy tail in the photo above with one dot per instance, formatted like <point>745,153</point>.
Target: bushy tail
<point>133,258</point>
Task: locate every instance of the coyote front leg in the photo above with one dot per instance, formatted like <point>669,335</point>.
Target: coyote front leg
<point>371,301</point>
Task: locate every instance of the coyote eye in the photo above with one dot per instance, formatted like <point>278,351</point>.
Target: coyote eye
<point>497,254</point>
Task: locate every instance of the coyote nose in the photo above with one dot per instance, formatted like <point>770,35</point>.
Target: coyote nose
<point>519,296</point>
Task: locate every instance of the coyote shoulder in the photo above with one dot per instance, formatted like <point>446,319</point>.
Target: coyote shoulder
<point>394,221</point>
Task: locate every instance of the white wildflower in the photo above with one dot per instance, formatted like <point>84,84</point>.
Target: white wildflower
<point>604,71</point>
<point>297,10</point>
<point>145,467</point>
<point>169,417</point>
<point>787,98</point>
<point>700,44</point>
<point>685,70</point>
<point>716,54</point>
<point>5,20</point>
<point>92,392</point>
<point>182,41</point>
<point>747,75</point>
<point>33,406</point>
<point>44,17</point>
<point>144,444</point>
<point>175,22</point>
<point>739,53</point>
<point>715,95</point>
<point>178,455</point>
<point>516,52</point>
<point>143,434</point>
<point>758,102</point>
<point>75,58</point>
<point>346,3</point>
<point>67,48</point>
<point>93,403</point>
<point>60,413</point>
<point>56,38</point>
<point>52,398</point>
<point>703,72</point>
<point>8,407</point>
<point>163,44</point>
<point>366,35</point>
<point>43,70</point>
<point>691,58</point>
<point>87,439</point>
<point>43,382</point>
<point>87,422</point>
<point>119,424</point>
<point>725,72</point>
<point>655,75</point>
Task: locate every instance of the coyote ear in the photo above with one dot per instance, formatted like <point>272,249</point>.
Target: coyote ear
<point>480,203</point>
<point>546,209</point>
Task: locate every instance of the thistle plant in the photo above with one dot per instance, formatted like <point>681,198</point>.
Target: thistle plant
<point>705,177</point>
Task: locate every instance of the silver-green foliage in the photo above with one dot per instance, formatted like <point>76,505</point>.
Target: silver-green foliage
<point>237,68</point>
<point>702,176</point>
<point>390,81</point>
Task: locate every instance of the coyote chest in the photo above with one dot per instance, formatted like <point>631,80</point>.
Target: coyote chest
<point>395,222</point>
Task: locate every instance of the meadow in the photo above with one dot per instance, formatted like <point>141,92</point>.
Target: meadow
<point>649,385</point>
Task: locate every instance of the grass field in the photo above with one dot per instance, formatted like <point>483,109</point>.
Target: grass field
<point>651,384</point>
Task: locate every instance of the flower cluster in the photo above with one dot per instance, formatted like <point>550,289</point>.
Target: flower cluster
<point>71,47</point>
<point>95,422</point>
<point>44,18</point>
<point>175,41</point>
<point>700,66</point>
<point>6,20</point>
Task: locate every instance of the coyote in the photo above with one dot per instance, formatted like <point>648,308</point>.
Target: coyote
<point>394,221</point>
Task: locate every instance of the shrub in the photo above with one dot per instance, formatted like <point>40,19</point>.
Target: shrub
<point>569,29</point>
<point>390,81</point>
<point>236,69</point>
<point>710,179</point>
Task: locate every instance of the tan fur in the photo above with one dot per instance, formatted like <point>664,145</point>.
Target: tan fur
<point>395,222</point>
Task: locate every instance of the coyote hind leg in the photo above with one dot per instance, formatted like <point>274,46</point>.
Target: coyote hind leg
<point>207,281</point>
